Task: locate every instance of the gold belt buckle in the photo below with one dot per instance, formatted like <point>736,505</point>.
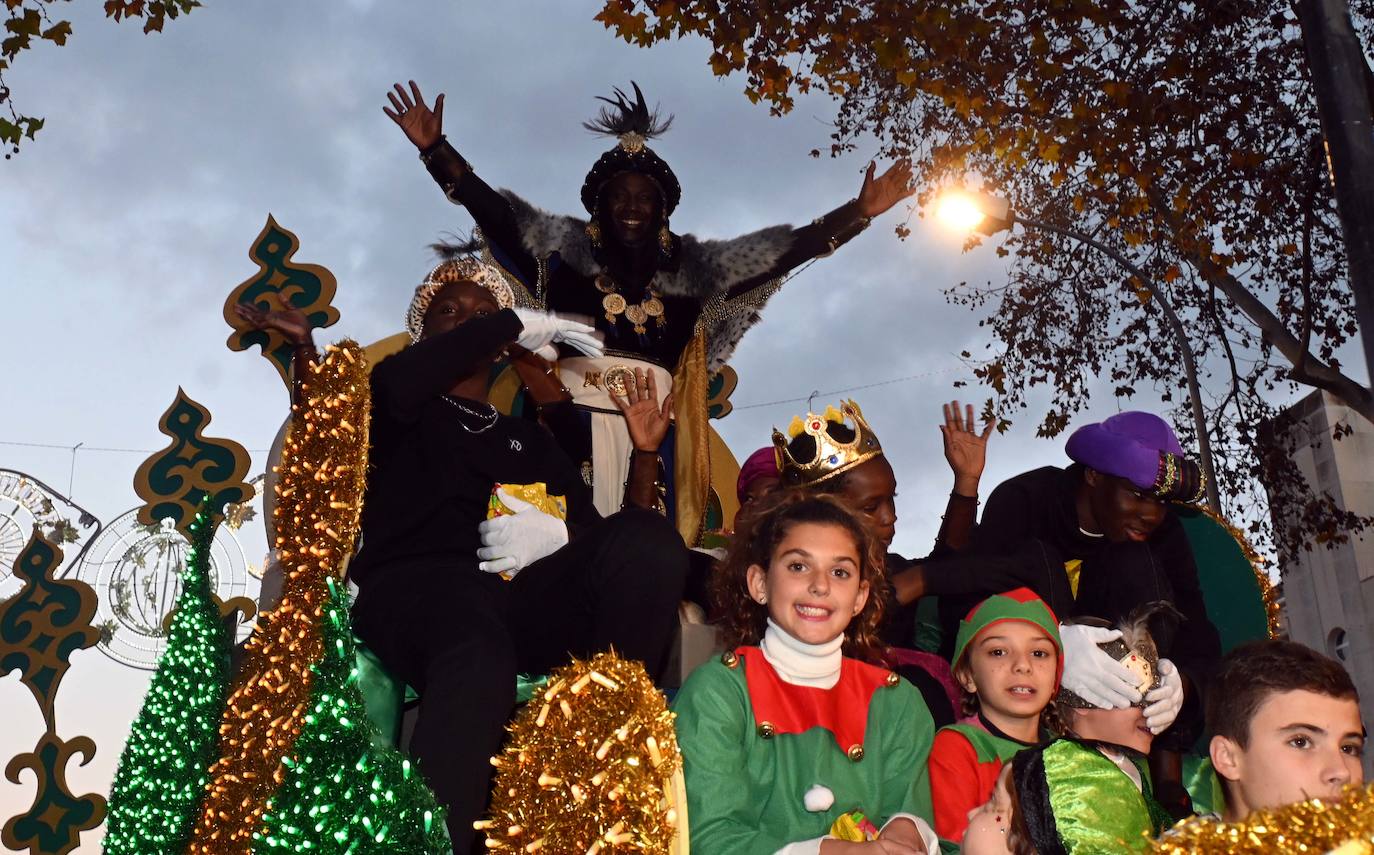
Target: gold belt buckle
<point>617,379</point>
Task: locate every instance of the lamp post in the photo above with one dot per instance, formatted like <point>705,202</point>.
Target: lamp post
<point>991,214</point>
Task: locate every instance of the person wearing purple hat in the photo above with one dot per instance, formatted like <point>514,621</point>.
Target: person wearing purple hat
<point>1097,538</point>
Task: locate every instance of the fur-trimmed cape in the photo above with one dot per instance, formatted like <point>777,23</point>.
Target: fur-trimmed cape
<point>707,270</point>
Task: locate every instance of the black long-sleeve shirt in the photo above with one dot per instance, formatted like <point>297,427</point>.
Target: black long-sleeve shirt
<point>431,478</point>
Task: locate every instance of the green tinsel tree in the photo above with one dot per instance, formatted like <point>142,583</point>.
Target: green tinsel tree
<point>162,771</point>
<point>342,793</point>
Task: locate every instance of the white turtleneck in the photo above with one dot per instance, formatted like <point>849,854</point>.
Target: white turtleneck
<point>799,663</point>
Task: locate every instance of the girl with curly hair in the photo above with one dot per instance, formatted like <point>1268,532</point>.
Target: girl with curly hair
<point>793,743</point>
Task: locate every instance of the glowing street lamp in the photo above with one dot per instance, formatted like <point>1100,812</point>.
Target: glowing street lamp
<point>966,211</point>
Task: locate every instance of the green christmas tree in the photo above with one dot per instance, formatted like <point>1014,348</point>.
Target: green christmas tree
<point>162,771</point>
<point>343,793</point>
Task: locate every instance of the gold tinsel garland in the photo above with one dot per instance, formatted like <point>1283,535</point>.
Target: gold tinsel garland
<point>1345,826</point>
<point>322,473</point>
<point>591,767</point>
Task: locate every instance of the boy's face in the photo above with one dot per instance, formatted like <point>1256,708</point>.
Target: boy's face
<point>1303,745</point>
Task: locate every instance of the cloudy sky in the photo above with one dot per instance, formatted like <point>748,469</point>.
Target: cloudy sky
<point>127,222</point>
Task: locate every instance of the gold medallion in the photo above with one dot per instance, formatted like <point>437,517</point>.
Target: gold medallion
<point>618,379</point>
<point>636,315</point>
<point>653,307</point>
<point>614,304</point>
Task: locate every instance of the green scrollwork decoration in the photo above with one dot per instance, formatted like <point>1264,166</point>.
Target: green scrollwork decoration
<point>53,824</point>
<point>43,624</point>
<point>40,627</point>
<point>718,391</point>
<point>173,482</point>
<point>280,283</point>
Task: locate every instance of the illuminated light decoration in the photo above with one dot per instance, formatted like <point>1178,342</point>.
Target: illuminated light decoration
<point>162,772</point>
<point>591,766</point>
<point>319,495</point>
<point>342,793</point>
<point>959,212</point>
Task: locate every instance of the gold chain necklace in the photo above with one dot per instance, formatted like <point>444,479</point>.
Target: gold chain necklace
<point>639,313</point>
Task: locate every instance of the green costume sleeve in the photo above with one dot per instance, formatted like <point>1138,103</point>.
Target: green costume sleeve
<point>908,733</point>
<point>714,723</point>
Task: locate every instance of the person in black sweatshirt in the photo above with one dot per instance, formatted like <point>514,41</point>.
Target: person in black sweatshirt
<point>456,604</point>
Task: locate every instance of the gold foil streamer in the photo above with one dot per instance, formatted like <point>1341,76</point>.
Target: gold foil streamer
<point>320,484</point>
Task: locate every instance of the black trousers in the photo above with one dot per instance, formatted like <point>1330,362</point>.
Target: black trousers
<point>459,637</point>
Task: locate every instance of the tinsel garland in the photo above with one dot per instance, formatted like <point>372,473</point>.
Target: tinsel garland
<point>342,793</point>
<point>319,497</point>
<point>589,766</point>
<point>1344,826</point>
<point>163,768</point>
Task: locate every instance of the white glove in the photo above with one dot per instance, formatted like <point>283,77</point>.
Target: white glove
<point>1163,703</point>
<point>544,328</point>
<point>1093,675</point>
<point>548,353</point>
<point>512,543</point>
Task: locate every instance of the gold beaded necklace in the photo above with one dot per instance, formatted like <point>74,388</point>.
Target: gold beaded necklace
<point>639,313</point>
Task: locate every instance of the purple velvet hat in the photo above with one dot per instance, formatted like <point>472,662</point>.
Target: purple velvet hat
<point>1142,448</point>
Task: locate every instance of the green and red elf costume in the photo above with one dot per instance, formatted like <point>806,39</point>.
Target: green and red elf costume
<point>967,757</point>
<point>781,741</point>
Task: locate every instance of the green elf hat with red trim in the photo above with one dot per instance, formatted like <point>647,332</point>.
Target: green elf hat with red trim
<point>1019,605</point>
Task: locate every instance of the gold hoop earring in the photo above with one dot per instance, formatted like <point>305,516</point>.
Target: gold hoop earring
<point>593,231</point>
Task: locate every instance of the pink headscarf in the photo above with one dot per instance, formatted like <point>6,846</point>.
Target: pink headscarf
<point>761,464</point>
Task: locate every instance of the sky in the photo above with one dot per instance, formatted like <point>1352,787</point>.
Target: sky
<point>126,223</point>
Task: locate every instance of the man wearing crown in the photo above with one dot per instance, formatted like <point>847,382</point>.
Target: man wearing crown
<point>667,303</point>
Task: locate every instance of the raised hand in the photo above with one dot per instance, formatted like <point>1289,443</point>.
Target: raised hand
<point>422,126</point>
<point>290,322</point>
<point>965,448</point>
<point>646,421</point>
<point>879,194</point>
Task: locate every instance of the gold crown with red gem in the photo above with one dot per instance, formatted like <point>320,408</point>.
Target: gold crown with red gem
<point>833,455</point>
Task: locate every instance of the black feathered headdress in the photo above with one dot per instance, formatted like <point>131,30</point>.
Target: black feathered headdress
<point>633,124</point>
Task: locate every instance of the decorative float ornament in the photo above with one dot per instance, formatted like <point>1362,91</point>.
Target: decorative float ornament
<point>591,766</point>
<point>162,772</point>
<point>280,283</point>
<point>319,492</point>
<point>41,625</point>
<point>1342,826</point>
<point>341,793</point>
<point>174,482</point>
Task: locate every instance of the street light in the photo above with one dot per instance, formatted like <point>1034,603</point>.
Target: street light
<point>966,211</point>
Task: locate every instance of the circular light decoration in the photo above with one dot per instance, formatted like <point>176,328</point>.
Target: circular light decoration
<point>136,572</point>
<point>25,503</point>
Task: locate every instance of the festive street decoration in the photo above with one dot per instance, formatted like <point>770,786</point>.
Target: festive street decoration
<point>318,500</point>
<point>1344,826</point>
<point>591,766</point>
<point>280,283</point>
<point>342,794</point>
<point>175,481</point>
<point>40,627</point>
<point>162,772</point>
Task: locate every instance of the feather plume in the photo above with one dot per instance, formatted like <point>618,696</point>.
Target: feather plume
<point>459,246</point>
<point>625,117</point>
<point>1145,623</point>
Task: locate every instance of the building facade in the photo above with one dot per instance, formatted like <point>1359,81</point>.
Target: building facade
<point>1328,594</point>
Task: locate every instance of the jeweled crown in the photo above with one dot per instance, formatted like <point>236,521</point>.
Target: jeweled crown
<point>833,455</point>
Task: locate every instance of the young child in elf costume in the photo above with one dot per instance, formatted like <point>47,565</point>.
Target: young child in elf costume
<point>1089,791</point>
<point>1007,658</point>
<point>792,744</point>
